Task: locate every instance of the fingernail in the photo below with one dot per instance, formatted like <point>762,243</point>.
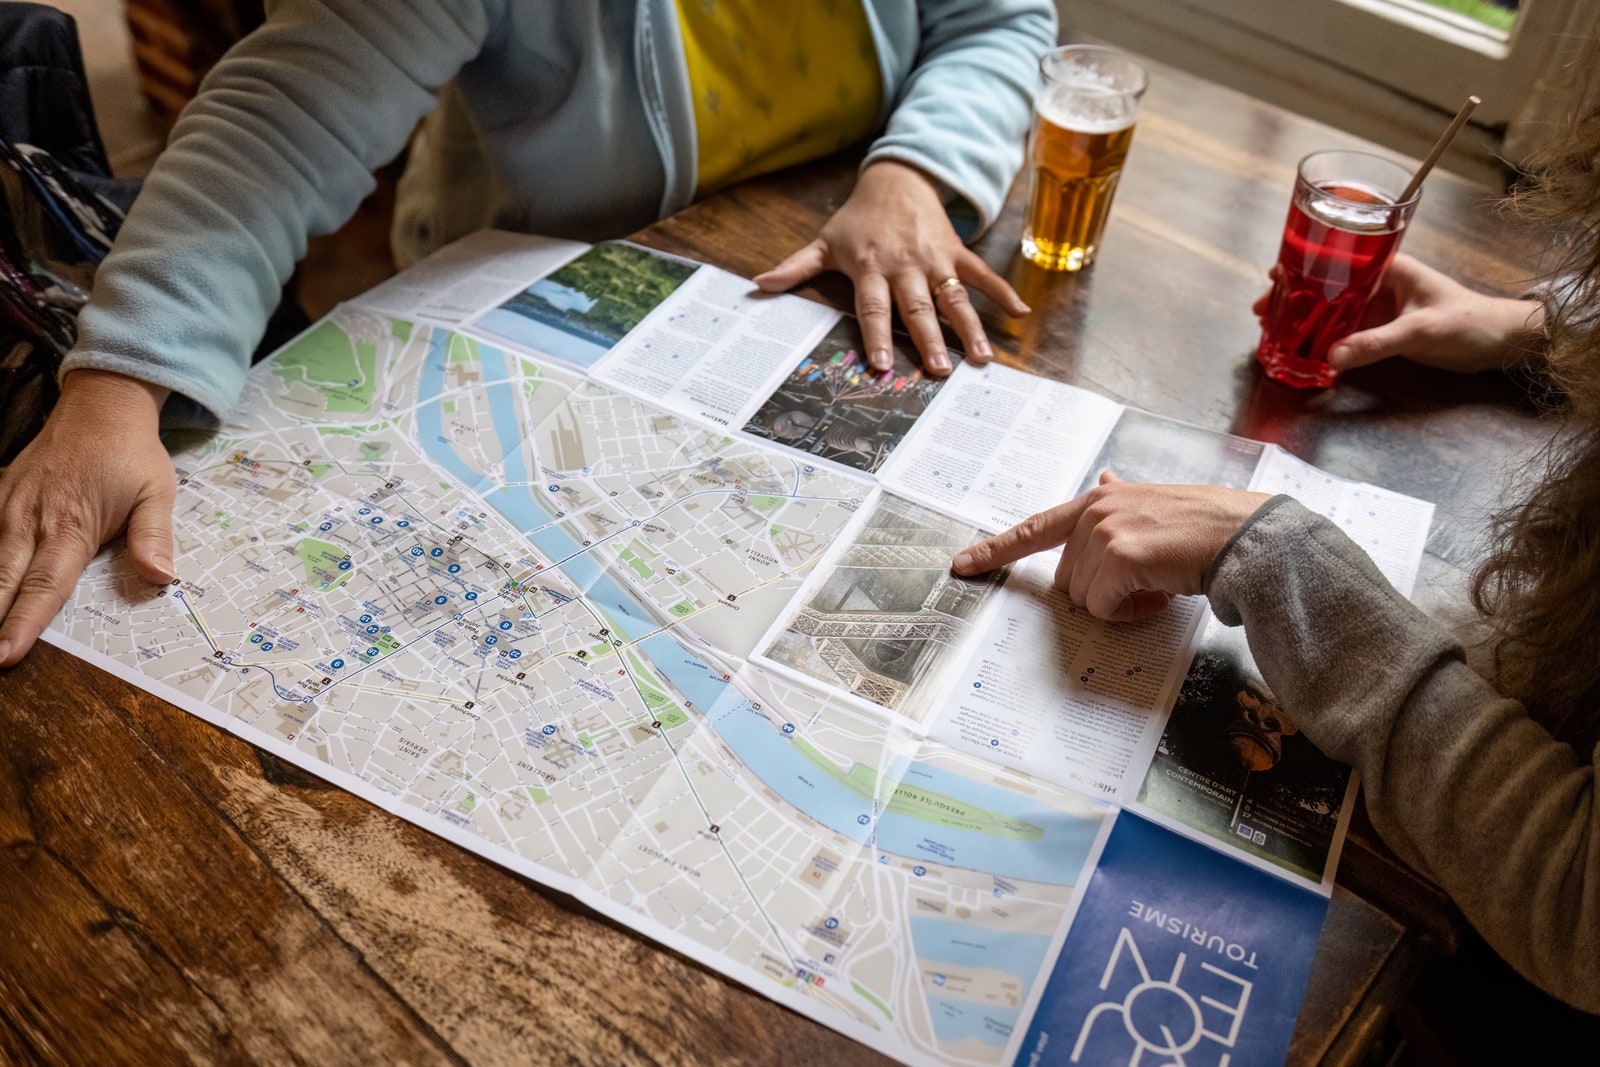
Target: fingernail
<point>880,359</point>
<point>5,651</point>
<point>939,359</point>
<point>962,563</point>
<point>982,349</point>
<point>164,563</point>
<point>1026,310</point>
<point>1338,354</point>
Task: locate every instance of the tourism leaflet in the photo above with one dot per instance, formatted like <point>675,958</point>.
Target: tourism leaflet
<point>1177,955</point>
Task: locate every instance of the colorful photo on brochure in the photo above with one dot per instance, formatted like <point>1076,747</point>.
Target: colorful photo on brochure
<point>887,618</point>
<point>578,312</point>
<point>834,406</point>
<point>1233,765</point>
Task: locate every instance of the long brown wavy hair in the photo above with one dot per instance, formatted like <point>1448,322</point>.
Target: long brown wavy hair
<point>1539,588</point>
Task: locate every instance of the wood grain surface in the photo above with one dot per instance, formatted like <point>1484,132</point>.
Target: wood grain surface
<point>169,894</point>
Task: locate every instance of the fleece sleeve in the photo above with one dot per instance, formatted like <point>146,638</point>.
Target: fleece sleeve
<point>279,144</point>
<point>1460,782</point>
<point>962,115</point>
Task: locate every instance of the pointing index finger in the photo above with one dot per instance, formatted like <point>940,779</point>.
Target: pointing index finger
<point>1047,529</point>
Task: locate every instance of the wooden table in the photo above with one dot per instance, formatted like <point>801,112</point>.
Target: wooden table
<point>169,893</point>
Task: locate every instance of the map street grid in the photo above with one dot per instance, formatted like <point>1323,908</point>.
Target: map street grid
<point>514,606</point>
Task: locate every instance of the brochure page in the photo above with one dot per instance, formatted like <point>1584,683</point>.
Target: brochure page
<point>1233,769</point>
<point>1000,445</point>
<point>1390,527</point>
<point>717,347</point>
<point>576,314</point>
<point>1169,964</point>
<point>1066,697</point>
<point>458,281</point>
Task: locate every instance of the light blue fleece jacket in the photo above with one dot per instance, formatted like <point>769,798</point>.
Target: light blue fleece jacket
<point>583,111</point>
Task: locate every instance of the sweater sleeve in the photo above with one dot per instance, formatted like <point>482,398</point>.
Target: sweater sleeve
<point>279,144</point>
<point>962,115</point>
<point>1460,782</point>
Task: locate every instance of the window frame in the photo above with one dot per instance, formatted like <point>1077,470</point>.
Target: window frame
<point>1388,70</point>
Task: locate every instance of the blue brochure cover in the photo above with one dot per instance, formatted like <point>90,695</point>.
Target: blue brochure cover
<point>1179,955</point>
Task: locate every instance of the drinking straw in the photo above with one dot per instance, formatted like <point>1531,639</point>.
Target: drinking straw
<point>1439,146</point>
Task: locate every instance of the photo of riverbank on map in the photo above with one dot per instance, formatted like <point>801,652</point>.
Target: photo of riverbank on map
<point>578,312</point>
<point>832,405</point>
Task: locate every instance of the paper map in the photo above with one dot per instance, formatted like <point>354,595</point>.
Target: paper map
<point>521,605</point>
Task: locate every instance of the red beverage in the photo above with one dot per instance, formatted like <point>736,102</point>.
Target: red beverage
<point>1340,237</point>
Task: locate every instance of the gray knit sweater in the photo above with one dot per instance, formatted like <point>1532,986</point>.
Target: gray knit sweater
<point>1459,780</point>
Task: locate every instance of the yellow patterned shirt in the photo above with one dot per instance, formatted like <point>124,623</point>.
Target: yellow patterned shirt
<point>776,83</point>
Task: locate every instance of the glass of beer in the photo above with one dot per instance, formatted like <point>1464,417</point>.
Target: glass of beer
<point>1343,230</point>
<point>1082,127</point>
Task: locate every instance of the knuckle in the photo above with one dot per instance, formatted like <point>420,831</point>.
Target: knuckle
<point>1098,509</point>
<point>1128,554</point>
<point>902,257</point>
<point>1031,528</point>
<point>15,515</point>
<point>66,523</point>
<point>41,585</point>
<point>872,307</point>
<point>1427,328</point>
<point>916,306</point>
<point>865,255</point>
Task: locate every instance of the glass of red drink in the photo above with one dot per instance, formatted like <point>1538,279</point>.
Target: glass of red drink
<point>1343,230</point>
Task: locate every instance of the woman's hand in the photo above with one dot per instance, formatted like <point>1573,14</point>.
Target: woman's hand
<point>1432,319</point>
<point>894,240</point>
<point>96,468</point>
<point>1128,547</point>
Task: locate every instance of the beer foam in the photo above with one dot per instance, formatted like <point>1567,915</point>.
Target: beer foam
<point>1088,108</point>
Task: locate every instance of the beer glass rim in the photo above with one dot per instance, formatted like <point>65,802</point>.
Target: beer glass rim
<point>1399,171</point>
<point>1136,90</point>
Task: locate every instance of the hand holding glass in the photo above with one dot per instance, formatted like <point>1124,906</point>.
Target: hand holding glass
<point>1343,230</point>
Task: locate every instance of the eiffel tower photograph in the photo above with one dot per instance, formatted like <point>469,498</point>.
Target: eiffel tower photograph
<point>888,616</point>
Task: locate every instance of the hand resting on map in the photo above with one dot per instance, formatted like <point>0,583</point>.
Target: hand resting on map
<point>96,468</point>
<point>1127,547</point>
<point>895,241</point>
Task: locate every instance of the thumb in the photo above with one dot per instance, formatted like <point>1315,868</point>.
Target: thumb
<point>804,264</point>
<point>1379,343</point>
<point>150,535</point>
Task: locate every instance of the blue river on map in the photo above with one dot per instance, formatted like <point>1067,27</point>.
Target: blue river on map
<point>1056,856</point>
<point>971,947</point>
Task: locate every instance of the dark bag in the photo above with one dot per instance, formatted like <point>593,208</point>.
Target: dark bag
<point>59,210</point>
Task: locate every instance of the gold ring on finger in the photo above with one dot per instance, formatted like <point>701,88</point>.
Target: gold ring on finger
<point>949,283</point>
